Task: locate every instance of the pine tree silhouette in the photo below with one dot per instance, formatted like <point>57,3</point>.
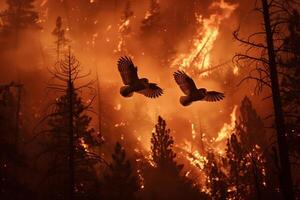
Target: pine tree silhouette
<point>119,181</point>
<point>216,178</point>
<point>61,40</point>
<point>255,140</point>
<point>71,139</point>
<point>161,147</point>
<point>165,179</point>
<point>19,15</point>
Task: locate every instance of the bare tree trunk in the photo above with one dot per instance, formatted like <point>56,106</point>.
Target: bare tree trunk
<point>71,134</point>
<point>99,106</point>
<point>286,184</point>
<point>17,125</point>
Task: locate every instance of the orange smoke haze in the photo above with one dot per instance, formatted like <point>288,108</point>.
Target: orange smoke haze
<point>197,42</point>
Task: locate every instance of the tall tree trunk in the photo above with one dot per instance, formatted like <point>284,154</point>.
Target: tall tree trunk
<point>99,106</point>
<point>256,179</point>
<point>71,134</point>
<point>285,178</point>
<point>18,109</point>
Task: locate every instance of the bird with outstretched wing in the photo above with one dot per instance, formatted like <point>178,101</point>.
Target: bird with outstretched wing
<point>132,83</point>
<point>189,88</point>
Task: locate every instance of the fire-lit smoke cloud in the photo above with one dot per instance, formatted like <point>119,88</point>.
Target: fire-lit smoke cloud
<point>199,57</point>
<point>192,40</point>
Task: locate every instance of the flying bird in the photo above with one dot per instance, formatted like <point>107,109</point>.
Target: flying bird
<point>133,83</point>
<point>188,87</point>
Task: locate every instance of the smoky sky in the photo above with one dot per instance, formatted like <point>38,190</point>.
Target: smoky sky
<point>92,27</point>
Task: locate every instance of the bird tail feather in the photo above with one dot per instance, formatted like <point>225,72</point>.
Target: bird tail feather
<point>185,100</point>
<point>126,91</point>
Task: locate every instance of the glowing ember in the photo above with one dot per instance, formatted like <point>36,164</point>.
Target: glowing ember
<point>84,145</point>
<point>199,56</point>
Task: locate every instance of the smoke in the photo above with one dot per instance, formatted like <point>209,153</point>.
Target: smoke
<point>92,27</point>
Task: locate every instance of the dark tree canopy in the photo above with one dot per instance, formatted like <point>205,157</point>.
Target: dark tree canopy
<point>120,182</point>
<point>71,139</point>
<point>61,40</point>
<point>165,180</point>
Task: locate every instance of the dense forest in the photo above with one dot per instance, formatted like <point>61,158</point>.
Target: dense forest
<point>72,128</point>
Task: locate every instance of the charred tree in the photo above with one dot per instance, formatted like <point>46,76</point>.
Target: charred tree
<point>61,40</point>
<point>12,159</point>
<point>290,91</point>
<point>270,45</point>
<point>71,141</point>
<point>283,149</point>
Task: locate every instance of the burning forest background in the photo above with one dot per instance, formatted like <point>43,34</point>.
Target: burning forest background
<point>67,133</point>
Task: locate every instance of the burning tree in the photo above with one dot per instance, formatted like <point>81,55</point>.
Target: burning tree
<point>61,40</point>
<point>124,28</point>
<point>216,179</point>
<point>163,180</point>
<point>119,182</point>
<point>245,170</point>
<point>71,140</point>
<point>19,16</point>
<point>265,50</point>
<point>152,20</point>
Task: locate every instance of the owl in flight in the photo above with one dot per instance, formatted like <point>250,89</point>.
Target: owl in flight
<point>132,83</point>
<point>188,87</point>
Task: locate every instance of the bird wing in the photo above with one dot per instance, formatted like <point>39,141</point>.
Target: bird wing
<point>186,84</point>
<point>127,70</point>
<point>152,91</point>
<point>213,96</point>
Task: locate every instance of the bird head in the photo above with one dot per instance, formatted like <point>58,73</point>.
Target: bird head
<point>144,80</point>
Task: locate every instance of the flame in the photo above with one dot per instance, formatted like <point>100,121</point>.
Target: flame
<point>84,145</point>
<point>199,57</point>
<point>227,128</point>
<point>193,156</point>
<point>194,134</point>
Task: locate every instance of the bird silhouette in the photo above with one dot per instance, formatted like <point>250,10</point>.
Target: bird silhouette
<point>188,87</point>
<point>133,83</point>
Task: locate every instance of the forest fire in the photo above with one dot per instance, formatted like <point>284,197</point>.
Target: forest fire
<point>199,57</point>
<point>131,100</point>
<point>227,129</point>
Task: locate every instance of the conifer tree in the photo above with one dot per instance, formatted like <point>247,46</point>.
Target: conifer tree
<point>61,40</point>
<point>71,174</point>
<point>165,180</point>
<point>290,82</point>
<point>161,147</point>
<point>19,15</point>
<point>216,179</point>
<point>266,60</point>
<point>120,182</point>
<point>247,169</point>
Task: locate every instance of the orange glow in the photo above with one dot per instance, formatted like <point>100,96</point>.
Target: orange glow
<point>227,129</point>
<point>199,58</point>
